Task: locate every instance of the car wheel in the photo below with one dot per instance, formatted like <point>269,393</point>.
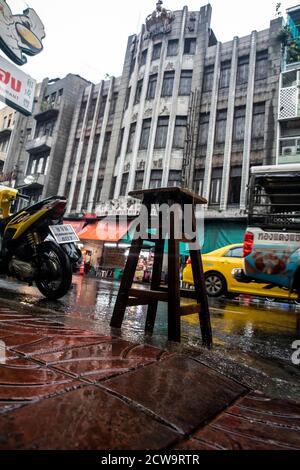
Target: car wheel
<point>215,283</point>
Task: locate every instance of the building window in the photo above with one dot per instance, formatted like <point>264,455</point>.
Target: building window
<point>95,148</point>
<point>185,85</point>
<point>234,192</point>
<point>120,142</point>
<point>84,149</point>
<point>168,83</point>
<point>102,106</point>
<point>45,128</point>
<point>156,51</point>
<point>113,103</point>
<point>145,134</point>
<point>92,109</point>
<point>175,178</point>
<point>225,74</point>
<point>172,47</point>
<point>52,100</point>
<point>38,164</point>
<point>258,122</point>
<point>155,179</point>
<point>82,112</point>
<point>243,70</point>
<point>59,97</point>
<point>75,150</point>
<point>131,137</point>
<point>180,132</point>
<point>161,133</point>
<point>221,126</point>
<point>98,191</point>
<point>127,98</point>
<point>144,57</point>
<point>190,46</point>
<point>132,64</point>
<point>139,180</point>
<point>112,187</point>
<point>261,68</point>
<point>239,124</point>
<point>198,181</point>
<point>208,78</point>
<point>203,128</point>
<point>152,87</point>
<point>86,196</point>
<point>105,149</point>
<point>124,184</point>
<point>76,195</point>
<point>215,186</point>
<point>138,92</point>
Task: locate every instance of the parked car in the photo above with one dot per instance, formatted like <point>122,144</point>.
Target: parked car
<point>218,267</point>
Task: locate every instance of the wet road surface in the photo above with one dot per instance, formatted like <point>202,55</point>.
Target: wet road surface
<point>252,338</point>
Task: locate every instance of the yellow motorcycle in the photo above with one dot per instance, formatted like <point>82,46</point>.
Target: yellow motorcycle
<point>35,246</point>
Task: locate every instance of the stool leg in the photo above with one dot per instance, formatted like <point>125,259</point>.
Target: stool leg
<point>174,327</point>
<point>126,283</point>
<point>199,282</point>
<point>155,283</point>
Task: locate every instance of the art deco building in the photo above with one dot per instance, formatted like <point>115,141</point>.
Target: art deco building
<point>187,110</point>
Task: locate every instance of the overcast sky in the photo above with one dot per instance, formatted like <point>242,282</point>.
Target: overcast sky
<point>89,37</point>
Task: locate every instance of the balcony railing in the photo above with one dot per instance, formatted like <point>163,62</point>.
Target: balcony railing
<point>40,144</point>
<point>47,111</point>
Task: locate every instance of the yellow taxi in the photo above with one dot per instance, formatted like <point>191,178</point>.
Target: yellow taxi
<point>218,266</point>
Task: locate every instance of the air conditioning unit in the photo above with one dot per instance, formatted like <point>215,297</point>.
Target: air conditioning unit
<point>287,151</point>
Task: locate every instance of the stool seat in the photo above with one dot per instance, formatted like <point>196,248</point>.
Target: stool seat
<point>180,302</point>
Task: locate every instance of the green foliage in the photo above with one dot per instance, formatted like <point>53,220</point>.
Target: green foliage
<point>292,45</point>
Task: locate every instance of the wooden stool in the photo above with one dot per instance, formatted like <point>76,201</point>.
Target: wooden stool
<point>173,295</point>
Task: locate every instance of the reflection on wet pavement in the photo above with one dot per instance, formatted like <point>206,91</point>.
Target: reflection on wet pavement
<point>253,338</point>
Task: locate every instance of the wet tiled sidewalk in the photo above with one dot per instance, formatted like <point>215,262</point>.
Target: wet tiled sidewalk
<point>63,388</point>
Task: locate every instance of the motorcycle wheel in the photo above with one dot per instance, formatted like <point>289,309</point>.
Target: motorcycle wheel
<point>55,273</point>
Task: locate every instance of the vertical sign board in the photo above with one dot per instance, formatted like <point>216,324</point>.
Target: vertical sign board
<point>17,89</point>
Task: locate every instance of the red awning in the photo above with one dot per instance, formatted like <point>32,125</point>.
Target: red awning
<point>76,224</point>
<point>106,231</point>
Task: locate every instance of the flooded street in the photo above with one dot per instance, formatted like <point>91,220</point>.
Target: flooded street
<point>252,338</point>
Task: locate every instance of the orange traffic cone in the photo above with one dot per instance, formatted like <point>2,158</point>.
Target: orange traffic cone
<point>81,270</point>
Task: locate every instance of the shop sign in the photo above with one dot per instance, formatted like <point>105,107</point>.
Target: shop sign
<point>20,34</point>
<point>17,89</point>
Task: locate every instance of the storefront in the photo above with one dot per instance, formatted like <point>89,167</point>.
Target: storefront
<point>102,246</point>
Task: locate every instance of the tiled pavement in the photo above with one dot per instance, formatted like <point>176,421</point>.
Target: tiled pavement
<point>63,388</point>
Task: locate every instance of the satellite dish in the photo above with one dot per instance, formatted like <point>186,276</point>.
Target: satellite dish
<point>30,179</point>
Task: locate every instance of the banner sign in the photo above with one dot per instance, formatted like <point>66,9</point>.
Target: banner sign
<point>17,89</point>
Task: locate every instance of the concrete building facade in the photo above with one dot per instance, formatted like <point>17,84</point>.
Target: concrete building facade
<point>187,110</point>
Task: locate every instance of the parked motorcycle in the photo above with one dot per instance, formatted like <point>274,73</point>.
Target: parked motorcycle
<point>35,247</point>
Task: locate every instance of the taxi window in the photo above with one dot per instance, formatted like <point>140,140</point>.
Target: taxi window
<point>235,253</point>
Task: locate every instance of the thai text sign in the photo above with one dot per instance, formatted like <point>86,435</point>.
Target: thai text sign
<point>17,89</point>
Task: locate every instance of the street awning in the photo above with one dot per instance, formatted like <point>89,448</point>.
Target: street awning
<point>105,231</point>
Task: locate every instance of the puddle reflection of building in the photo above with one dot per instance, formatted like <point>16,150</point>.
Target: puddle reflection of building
<point>85,290</point>
<point>2,352</point>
